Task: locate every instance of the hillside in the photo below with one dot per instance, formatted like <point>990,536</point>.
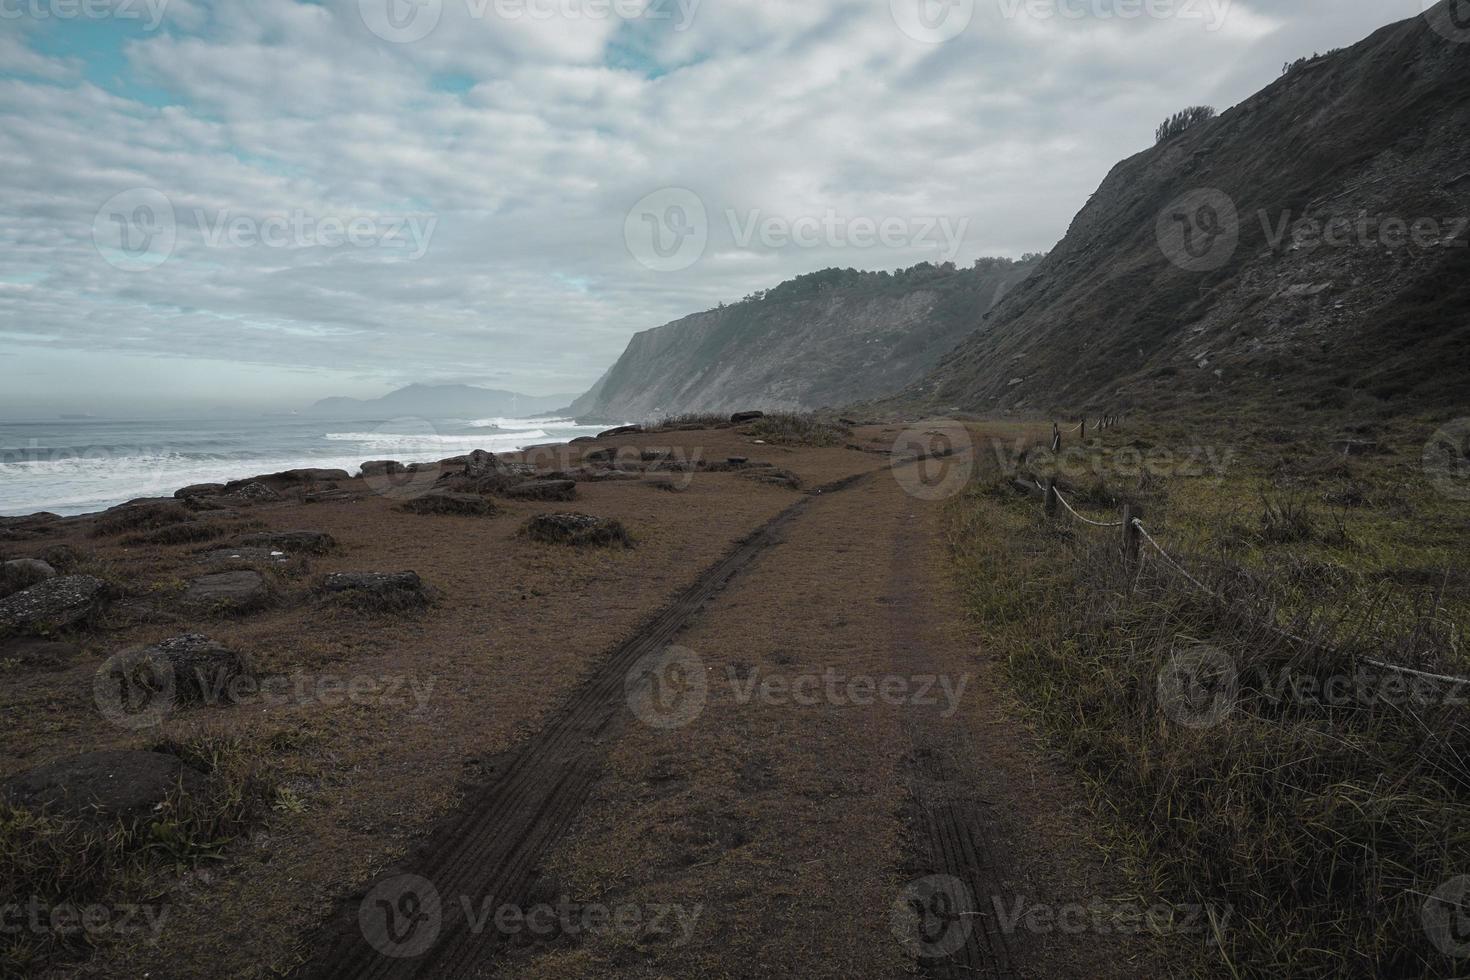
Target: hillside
<point>440,401</point>
<point>1255,309</point>
<point>827,338</point>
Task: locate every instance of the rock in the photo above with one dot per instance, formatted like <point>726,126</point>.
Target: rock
<point>600,455</point>
<point>668,485</point>
<point>245,554</point>
<point>185,532</point>
<point>53,604</point>
<point>295,542</point>
<point>583,439</point>
<point>254,491</point>
<point>202,670</point>
<point>39,654</point>
<point>115,784</point>
<point>310,475</point>
<point>227,591</point>
<point>22,573</point>
<point>621,430</point>
<point>577,529</point>
<point>544,490</point>
<point>377,591</point>
<point>737,461</point>
<point>480,464</point>
<point>448,502</point>
<point>593,475</point>
<point>655,455</point>
<point>372,581</point>
<point>383,467</point>
<point>739,417</point>
<point>200,490</point>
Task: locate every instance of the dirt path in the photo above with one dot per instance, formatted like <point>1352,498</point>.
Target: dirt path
<point>818,778</point>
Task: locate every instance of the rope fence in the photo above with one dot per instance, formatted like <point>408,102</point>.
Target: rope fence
<point>1134,532</point>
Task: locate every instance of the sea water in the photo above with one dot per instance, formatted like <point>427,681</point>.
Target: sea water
<point>76,466</point>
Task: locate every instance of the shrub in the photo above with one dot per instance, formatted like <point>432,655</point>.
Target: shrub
<point>799,430</point>
<point>1182,120</point>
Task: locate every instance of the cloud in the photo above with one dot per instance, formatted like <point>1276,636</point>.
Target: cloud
<point>526,134</point>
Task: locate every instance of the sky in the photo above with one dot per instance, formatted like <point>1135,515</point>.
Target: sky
<point>253,204</point>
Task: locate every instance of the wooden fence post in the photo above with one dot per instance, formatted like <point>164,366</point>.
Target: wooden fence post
<point>1051,497</point>
<point>1084,429</point>
<point>1130,535</point>
<point>1056,438</point>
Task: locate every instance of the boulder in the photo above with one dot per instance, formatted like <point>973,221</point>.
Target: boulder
<point>202,669</point>
<point>383,467</point>
<point>583,439</point>
<point>309,475</point>
<point>774,477</point>
<point>655,455</point>
<point>255,491</point>
<point>480,464</point>
<point>582,530</point>
<point>232,591</point>
<point>200,490</point>
<point>544,490</point>
<point>295,542</point>
<point>606,455</point>
<point>740,417</point>
<point>114,784</point>
<point>371,581</point>
<point>448,502</point>
<point>377,591</point>
<point>22,573</point>
<point>52,604</point>
<point>621,430</point>
<point>737,461</point>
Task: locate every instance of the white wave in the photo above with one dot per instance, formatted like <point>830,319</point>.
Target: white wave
<point>409,441</point>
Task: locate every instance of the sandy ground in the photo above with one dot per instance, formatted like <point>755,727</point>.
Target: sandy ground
<point>790,826</point>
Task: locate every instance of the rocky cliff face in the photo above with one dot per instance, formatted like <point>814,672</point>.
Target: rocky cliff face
<point>1306,249</point>
<point>829,338</point>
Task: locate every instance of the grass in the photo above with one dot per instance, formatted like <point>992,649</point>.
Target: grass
<point>58,861</point>
<point>1322,811</point>
<point>799,430</point>
<point>140,517</point>
<point>188,532</point>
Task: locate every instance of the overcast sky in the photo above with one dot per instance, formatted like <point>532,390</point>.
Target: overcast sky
<point>262,202</point>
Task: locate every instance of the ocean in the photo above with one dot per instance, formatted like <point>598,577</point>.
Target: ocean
<point>76,466</point>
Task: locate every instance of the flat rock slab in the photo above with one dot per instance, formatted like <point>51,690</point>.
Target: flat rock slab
<point>373,582</point>
<point>449,502</point>
<point>53,604</point>
<point>740,417</point>
<point>124,784</point>
<point>295,542</point>
<point>245,554</point>
<point>227,590</point>
<point>543,490</point>
<point>254,491</point>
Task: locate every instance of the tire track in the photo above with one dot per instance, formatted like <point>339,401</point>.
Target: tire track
<point>947,820</point>
<point>488,850</point>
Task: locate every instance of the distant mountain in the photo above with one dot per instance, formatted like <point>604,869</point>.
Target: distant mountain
<point>824,339</point>
<point>1191,277</point>
<point>442,401</point>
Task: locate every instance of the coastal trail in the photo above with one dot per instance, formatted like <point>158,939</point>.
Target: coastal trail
<point>801,765</point>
